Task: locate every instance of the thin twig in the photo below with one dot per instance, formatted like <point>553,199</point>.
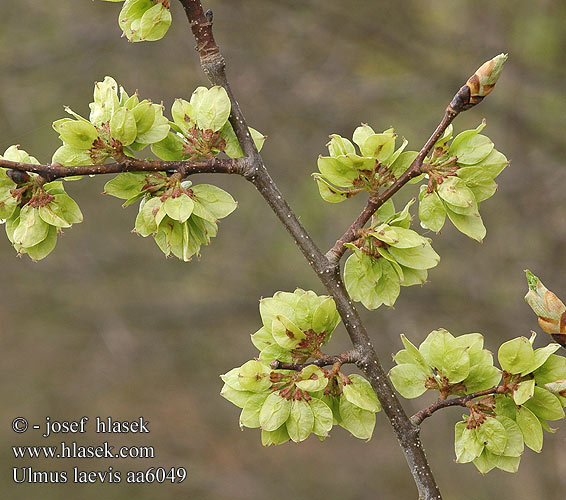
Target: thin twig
<point>342,359</point>
<point>423,414</point>
<point>337,251</point>
<point>406,433</point>
<point>56,170</point>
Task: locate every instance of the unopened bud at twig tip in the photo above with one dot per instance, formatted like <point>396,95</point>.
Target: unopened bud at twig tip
<point>550,310</point>
<point>479,85</point>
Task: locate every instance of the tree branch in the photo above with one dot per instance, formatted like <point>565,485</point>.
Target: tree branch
<point>56,170</point>
<point>415,169</point>
<point>407,434</point>
<point>344,358</point>
<point>423,414</point>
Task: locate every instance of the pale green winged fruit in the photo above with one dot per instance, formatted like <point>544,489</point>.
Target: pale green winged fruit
<point>32,226</point>
<point>388,255</point>
<point>290,405</point>
<point>461,173</point>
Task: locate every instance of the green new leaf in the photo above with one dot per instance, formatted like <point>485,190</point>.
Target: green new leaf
<point>446,136</point>
<point>407,238</point>
<point>462,144</point>
<point>11,224</point>
<point>387,234</point>
<point>472,341</point>
<point>413,276</point>
<point>276,352</point>
<point>385,212</point>
<point>402,218</point>
<point>492,165</point>
<point>483,188</point>
<point>505,463</point>
<point>361,277</point>
<point>304,310</point>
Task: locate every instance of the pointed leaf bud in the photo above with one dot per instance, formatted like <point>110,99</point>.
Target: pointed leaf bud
<point>558,387</point>
<point>550,310</point>
<point>479,85</point>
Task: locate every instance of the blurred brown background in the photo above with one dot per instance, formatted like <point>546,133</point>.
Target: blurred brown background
<point>107,326</point>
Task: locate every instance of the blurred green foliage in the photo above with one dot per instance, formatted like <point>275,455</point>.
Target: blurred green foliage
<point>107,326</point>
